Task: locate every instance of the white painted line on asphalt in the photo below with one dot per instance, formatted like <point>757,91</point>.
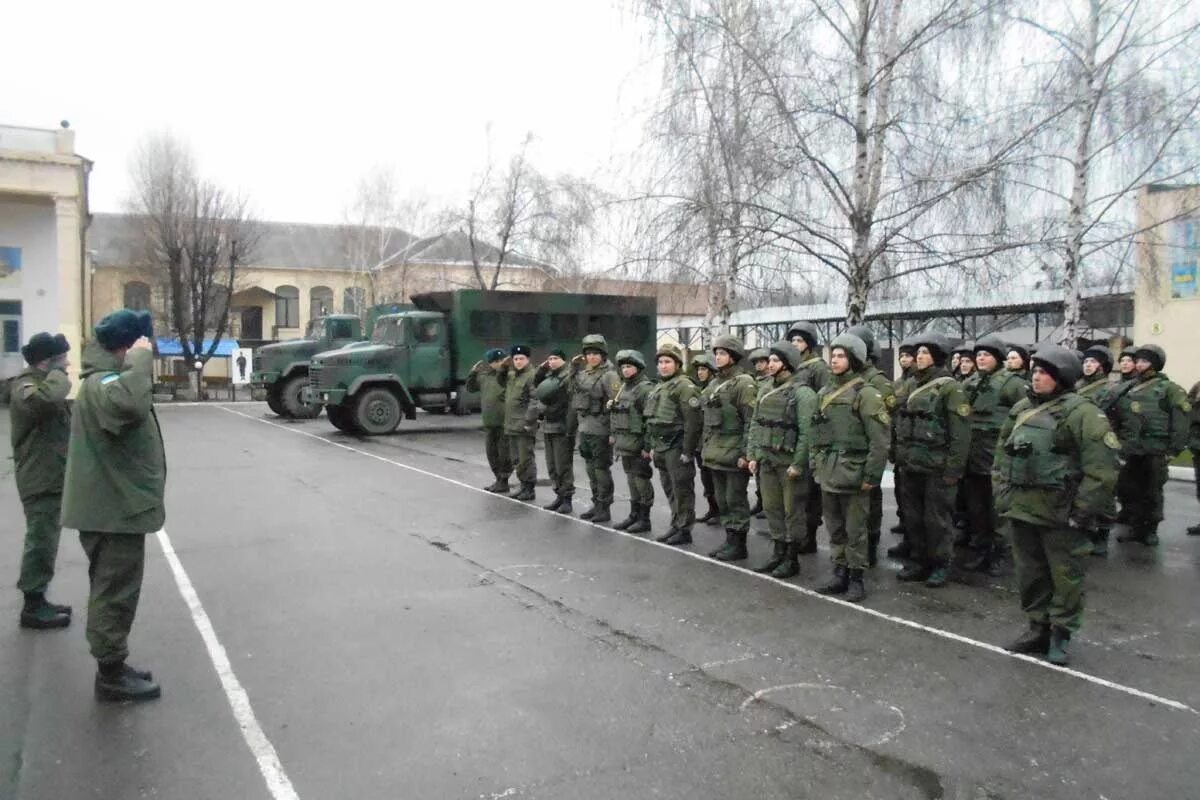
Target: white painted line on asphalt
<point>260,746</point>
<point>908,623</point>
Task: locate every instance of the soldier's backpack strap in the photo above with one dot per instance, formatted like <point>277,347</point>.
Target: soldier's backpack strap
<point>845,387</point>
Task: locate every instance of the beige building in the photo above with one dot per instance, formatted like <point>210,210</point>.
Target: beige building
<point>43,218</point>
<point>1167,296</point>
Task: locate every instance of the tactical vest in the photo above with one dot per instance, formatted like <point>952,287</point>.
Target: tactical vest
<point>588,396</point>
<point>837,427</point>
<point>776,417</point>
<point>627,420</point>
<point>721,415</point>
<point>662,415</point>
<point>1039,454</point>
<point>988,410</point>
<point>921,429</point>
<point>1144,411</point>
<point>813,373</point>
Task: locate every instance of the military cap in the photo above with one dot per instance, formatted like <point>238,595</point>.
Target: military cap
<point>494,355</point>
<point>1154,354</point>
<point>731,345</point>
<point>558,351</point>
<point>631,357</point>
<point>594,341</point>
<point>854,347</point>
<point>123,328</point>
<point>519,350</point>
<point>42,346</point>
<point>670,350</point>
<point>868,337</point>
<point>788,353</point>
<point>807,330</point>
<point>1060,362</point>
<point>1101,354</point>
<point>993,344</point>
<point>758,354</point>
<point>939,346</point>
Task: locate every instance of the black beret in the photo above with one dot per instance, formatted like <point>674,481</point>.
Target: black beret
<point>42,346</point>
<point>123,328</point>
<point>558,351</point>
<point>519,350</point>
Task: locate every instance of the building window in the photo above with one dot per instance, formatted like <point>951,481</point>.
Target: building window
<point>287,307</point>
<point>320,301</point>
<point>1185,252</point>
<point>12,336</point>
<point>137,296</point>
<point>353,300</point>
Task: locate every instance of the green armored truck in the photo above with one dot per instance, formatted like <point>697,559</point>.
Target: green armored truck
<point>421,359</point>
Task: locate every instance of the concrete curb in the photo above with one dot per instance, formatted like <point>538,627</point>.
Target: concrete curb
<point>1182,474</point>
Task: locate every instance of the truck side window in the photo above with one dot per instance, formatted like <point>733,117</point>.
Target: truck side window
<point>486,325</point>
<point>427,331</point>
<point>340,329</point>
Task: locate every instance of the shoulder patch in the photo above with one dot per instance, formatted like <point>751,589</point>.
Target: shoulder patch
<point>1135,407</point>
<point>883,417</point>
<point>1111,441</point>
<point>107,379</point>
<point>964,410</point>
<point>890,401</point>
<point>694,401</point>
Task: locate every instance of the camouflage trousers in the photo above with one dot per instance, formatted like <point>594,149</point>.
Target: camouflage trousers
<point>560,462</point>
<point>116,562</point>
<point>814,506</point>
<point>731,486</point>
<point>846,517</point>
<point>520,454</point>
<point>639,475</point>
<point>1140,486</point>
<point>981,512</point>
<point>706,480</point>
<point>928,504</point>
<point>784,500</point>
<point>1050,568</point>
<point>597,455</point>
<point>679,485</point>
<point>41,543</point>
<point>496,445</point>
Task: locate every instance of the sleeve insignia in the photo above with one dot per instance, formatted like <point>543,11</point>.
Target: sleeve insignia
<point>1135,407</point>
<point>1111,441</point>
<point>890,401</point>
<point>107,379</point>
<point>694,401</point>
<point>883,417</point>
<point>964,410</point>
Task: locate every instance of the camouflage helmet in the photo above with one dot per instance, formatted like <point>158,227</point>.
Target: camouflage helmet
<point>1152,353</point>
<point>1129,350</point>
<point>1060,362</point>
<point>1020,350</point>
<point>670,350</point>
<point>993,344</point>
<point>807,330</point>
<point>908,345</point>
<point>939,346</point>
<point>868,337</point>
<point>758,354</point>
<point>547,389</point>
<point>703,360</point>
<point>595,341</point>
<point>788,353</point>
<point>966,348</point>
<point>855,347</point>
<point>1101,354</point>
<point>631,357</point>
<point>731,345</point>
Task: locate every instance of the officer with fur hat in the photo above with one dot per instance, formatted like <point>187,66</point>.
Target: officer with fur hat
<point>1151,415</point>
<point>516,376</point>
<point>672,414</point>
<point>814,372</point>
<point>552,405</point>
<point>593,386</point>
<point>701,370</point>
<point>113,492</point>
<point>1054,473</point>
<point>1096,386</point>
<point>627,417</point>
<point>484,379</point>
<point>933,438</point>
<point>779,456</point>
<point>728,404</point>
<point>887,391</point>
<point>41,427</point>
<point>849,454</point>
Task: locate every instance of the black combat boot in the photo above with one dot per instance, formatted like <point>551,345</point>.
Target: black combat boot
<point>1194,530</point>
<point>591,512</point>
<point>807,546</point>
<point>1034,642</point>
<point>839,583</point>
<point>642,523</point>
<point>899,551</point>
<point>976,560</point>
<point>120,683</point>
<point>526,494</point>
<point>1099,539</point>
<point>600,513</point>
<point>777,556</point>
<point>737,548</point>
<point>680,538</point>
<point>916,571</point>
<point>938,576</point>
<point>628,521</point>
<point>38,615</point>
<point>565,506</point>
<point>713,517</point>
<point>1060,639</point>
<point>856,591</point>
<point>790,566</point>
<point>558,501</point>
<point>500,486</point>
<point>666,537</point>
<point>727,544</point>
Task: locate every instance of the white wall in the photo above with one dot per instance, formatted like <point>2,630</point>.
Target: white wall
<point>31,226</point>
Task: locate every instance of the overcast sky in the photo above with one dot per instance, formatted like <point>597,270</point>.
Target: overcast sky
<point>292,102</point>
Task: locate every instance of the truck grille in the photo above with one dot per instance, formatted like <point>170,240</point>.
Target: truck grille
<point>314,377</point>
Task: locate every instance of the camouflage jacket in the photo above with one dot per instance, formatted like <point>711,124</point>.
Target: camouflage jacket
<point>41,428</point>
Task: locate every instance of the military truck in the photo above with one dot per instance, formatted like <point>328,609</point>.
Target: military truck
<point>421,359</point>
<point>281,369</point>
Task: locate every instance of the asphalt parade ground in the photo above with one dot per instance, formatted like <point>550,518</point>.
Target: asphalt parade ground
<point>334,616</point>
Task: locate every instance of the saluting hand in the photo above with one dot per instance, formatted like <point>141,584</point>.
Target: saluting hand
<point>141,344</point>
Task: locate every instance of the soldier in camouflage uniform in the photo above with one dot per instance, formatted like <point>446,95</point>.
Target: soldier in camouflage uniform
<point>813,372</point>
<point>906,354</point>
<point>627,418</point>
<point>1127,364</point>
<point>516,376</point>
<point>1096,386</point>
<point>552,405</point>
<point>882,384</point>
<point>673,432</point>
<point>933,437</point>
<point>1055,467</point>
<point>594,385</point>
<point>759,357</point>
<point>779,456</point>
<point>992,391</point>
<point>1152,415</point>
<point>728,404</point>
<point>1194,446</point>
<point>484,379</point>
<point>1017,361</point>
<point>41,428</point>
<point>849,454</point>
<point>702,371</point>
<point>966,360</point>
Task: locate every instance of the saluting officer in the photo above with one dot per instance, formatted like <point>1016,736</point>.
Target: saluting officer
<point>41,428</point>
<point>1055,468</point>
<point>553,405</point>
<point>728,404</point>
<point>516,375</point>
<point>813,372</point>
<point>673,433</point>
<point>1152,424</point>
<point>933,437</point>
<point>882,384</point>
<point>779,456</point>
<point>485,380</point>
<point>627,417</point>
<point>702,371</point>
<point>849,455</point>
<point>595,384</point>
<point>1096,386</point>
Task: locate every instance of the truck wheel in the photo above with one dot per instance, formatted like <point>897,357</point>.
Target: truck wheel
<point>377,412</point>
<point>290,397</point>
<point>341,418</point>
<point>274,403</point>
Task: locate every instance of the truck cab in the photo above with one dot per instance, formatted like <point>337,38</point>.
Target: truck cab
<point>281,374</point>
<point>368,388</point>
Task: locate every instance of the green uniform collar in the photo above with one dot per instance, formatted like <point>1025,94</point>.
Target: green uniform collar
<point>97,359</point>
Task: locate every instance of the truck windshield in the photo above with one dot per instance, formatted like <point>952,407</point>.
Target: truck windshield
<point>386,332</point>
<point>316,329</point>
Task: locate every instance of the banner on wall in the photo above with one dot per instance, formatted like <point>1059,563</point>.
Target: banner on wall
<point>10,265</point>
